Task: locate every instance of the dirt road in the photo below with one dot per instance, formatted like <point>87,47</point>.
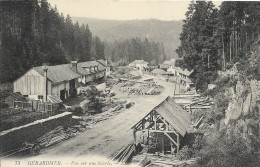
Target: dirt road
<point>107,137</point>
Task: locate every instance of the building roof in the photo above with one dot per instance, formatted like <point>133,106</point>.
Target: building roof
<point>164,65</point>
<point>103,62</point>
<point>159,71</point>
<point>81,67</point>
<point>16,96</point>
<point>139,62</point>
<point>58,73</point>
<point>184,72</point>
<point>54,99</point>
<point>167,62</point>
<point>174,115</point>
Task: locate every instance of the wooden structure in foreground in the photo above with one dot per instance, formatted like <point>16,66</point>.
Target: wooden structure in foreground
<point>166,124</point>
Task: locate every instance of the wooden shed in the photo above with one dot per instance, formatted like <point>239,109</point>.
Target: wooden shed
<point>10,100</point>
<point>165,126</point>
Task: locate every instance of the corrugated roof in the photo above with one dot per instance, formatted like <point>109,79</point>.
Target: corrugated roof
<point>58,73</point>
<point>81,67</point>
<point>159,71</point>
<point>174,115</point>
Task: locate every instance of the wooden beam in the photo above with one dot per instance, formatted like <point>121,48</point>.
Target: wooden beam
<point>163,145</point>
<point>151,124</point>
<point>178,143</point>
<point>172,149</point>
<point>166,123</point>
<point>157,131</point>
<point>155,119</point>
<point>143,123</point>
<point>171,139</point>
<point>134,135</point>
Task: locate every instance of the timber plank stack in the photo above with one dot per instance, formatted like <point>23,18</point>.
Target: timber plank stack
<point>125,154</point>
<point>155,160</point>
<point>140,88</point>
<point>55,136</point>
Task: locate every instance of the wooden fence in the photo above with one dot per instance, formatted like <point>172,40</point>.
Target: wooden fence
<point>36,105</point>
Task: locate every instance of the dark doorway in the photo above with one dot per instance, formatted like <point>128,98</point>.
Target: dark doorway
<point>62,94</point>
<point>72,84</point>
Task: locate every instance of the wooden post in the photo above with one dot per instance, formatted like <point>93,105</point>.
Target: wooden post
<point>32,105</point>
<point>134,135</point>
<point>155,119</point>
<point>178,143</point>
<point>148,139</point>
<point>163,145</point>
<point>172,150</point>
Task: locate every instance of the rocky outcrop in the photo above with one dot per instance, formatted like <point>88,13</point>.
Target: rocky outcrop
<point>242,114</point>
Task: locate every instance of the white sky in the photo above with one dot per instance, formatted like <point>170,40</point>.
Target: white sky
<point>124,9</point>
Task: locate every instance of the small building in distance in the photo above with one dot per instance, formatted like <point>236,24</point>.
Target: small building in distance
<point>17,96</point>
<point>90,71</point>
<point>158,72</point>
<point>164,67</point>
<point>172,70</point>
<point>139,64</point>
<point>106,65</point>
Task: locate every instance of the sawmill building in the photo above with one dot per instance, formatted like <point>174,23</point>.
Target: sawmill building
<point>164,127</point>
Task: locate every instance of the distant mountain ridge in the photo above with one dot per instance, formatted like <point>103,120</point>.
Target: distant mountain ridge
<point>166,32</point>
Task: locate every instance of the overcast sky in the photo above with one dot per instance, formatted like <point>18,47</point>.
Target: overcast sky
<point>124,9</point>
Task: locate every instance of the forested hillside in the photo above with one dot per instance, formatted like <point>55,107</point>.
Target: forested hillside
<point>213,39</point>
<point>124,52</point>
<point>166,32</point>
<point>32,32</point>
<point>223,47</point>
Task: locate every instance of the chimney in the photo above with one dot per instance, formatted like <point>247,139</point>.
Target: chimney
<point>74,66</point>
<point>92,68</point>
<point>106,62</point>
<point>45,69</point>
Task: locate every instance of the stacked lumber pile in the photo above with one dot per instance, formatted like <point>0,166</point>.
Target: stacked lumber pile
<point>93,119</point>
<point>140,88</point>
<point>125,154</point>
<point>153,91</point>
<point>193,101</point>
<point>162,160</point>
<point>55,136</point>
<point>144,162</point>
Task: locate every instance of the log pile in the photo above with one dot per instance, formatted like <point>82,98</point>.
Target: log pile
<point>26,148</point>
<point>125,154</point>
<point>161,160</point>
<point>93,119</point>
<point>55,136</point>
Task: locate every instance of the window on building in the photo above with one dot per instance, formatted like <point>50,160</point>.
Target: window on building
<point>40,97</point>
